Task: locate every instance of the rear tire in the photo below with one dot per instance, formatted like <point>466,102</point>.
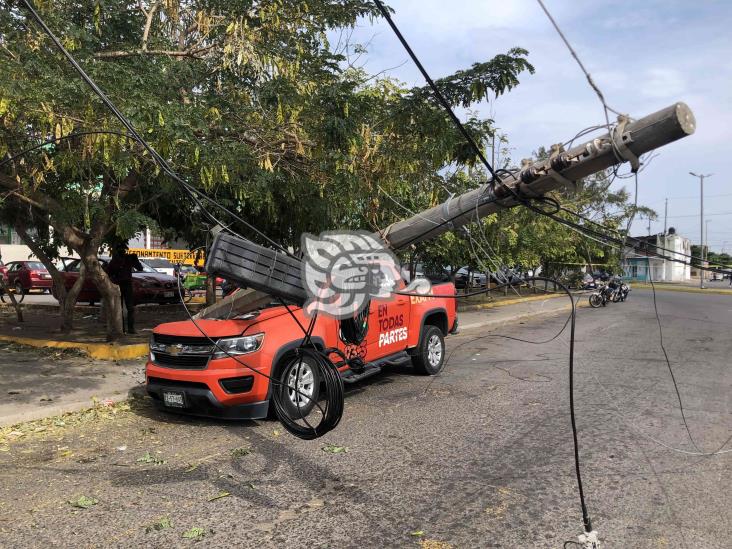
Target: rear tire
<point>19,292</point>
<point>596,301</point>
<point>430,357</point>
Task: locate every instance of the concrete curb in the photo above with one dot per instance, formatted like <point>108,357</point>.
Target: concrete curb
<point>523,316</point>
<point>101,351</point>
<point>666,288</point>
<point>504,302</point>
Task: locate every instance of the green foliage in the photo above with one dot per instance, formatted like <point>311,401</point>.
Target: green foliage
<point>247,100</point>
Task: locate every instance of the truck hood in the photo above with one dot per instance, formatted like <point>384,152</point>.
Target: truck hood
<point>219,328</point>
<point>212,328</point>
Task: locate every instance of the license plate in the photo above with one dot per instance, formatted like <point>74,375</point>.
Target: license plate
<point>174,399</point>
<point>46,276</point>
<point>168,294</point>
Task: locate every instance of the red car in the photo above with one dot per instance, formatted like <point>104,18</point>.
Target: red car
<point>148,286</point>
<point>28,275</point>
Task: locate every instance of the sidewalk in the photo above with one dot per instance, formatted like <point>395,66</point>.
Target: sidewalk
<point>516,310</point>
<point>717,287</point>
<point>39,383</point>
<point>41,322</point>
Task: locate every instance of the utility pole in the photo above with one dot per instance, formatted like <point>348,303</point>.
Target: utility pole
<point>665,217</point>
<point>559,170</point>
<point>701,224</point>
<point>628,141</point>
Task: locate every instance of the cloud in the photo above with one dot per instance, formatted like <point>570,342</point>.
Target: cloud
<point>662,83</point>
<point>644,56</point>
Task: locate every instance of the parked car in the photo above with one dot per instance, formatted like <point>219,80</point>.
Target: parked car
<point>504,276</point>
<point>25,276</point>
<point>465,278</point>
<point>148,286</point>
<point>4,272</point>
<point>160,264</point>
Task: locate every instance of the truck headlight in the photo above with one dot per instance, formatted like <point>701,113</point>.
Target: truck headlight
<point>238,345</point>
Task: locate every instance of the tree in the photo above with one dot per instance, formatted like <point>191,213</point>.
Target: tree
<point>33,229</point>
<point>246,99</point>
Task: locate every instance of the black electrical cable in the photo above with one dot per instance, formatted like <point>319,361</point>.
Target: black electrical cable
<point>632,239</point>
<point>438,94</point>
<point>445,104</point>
<point>668,361</point>
<point>354,329</point>
<point>618,244</point>
<point>572,320</point>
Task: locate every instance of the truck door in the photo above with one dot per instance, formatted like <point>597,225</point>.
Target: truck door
<point>388,327</point>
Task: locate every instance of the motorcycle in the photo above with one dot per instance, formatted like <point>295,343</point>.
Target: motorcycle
<point>623,291</point>
<point>602,296</point>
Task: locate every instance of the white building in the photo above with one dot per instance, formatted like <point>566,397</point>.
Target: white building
<point>642,262</point>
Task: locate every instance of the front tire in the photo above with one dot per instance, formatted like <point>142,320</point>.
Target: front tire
<point>299,402</point>
<point>596,301</point>
<point>430,357</point>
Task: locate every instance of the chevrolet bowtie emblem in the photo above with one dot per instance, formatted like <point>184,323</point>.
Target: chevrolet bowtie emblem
<point>174,349</point>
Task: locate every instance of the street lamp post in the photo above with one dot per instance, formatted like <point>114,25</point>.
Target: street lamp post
<point>706,238</point>
<point>701,225</point>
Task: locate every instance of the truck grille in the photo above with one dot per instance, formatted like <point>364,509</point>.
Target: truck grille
<point>183,353</point>
<point>182,362</point>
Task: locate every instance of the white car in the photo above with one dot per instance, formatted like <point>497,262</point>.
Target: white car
<point>160,264</point>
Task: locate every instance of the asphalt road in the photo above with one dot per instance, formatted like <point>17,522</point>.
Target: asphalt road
<point>480,456</point>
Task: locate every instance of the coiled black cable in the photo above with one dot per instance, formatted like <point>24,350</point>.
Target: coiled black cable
<point>332,410</point>
<point>354,330</point>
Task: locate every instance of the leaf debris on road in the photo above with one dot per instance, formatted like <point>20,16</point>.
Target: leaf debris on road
<point>221,494</point>
<point>83,502</point>
<point>240,452</point>
<point>161,524</point>
<point>150,458</point>
<point>194,533</point>
<point>334,449</point>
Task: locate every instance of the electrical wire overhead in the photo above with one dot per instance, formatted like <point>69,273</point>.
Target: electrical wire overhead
<point>438,94</point>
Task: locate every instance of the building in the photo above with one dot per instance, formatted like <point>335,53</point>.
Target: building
<point>643,263</point>
<point>12,247</point>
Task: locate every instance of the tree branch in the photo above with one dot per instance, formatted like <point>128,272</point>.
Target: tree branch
<point>194,54</point>
<point>148,23</point>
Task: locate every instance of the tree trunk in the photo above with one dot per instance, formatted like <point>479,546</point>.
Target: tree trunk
<point>111,300</point>
<point>66,299</point>
<point>210,290</point>
<point>69,303</point>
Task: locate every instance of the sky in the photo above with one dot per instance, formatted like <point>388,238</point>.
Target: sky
<point>644,55</point>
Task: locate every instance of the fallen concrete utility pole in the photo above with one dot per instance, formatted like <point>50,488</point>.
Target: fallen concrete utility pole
<point>625,142</point>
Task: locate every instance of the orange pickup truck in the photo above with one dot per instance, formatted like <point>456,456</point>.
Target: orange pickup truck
<point>186,373</point>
